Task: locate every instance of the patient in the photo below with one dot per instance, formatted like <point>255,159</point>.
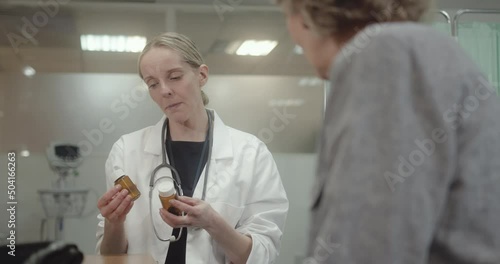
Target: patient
<point>409,166</point>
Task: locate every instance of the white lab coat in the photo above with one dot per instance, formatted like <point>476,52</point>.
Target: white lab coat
<point>243,186</point>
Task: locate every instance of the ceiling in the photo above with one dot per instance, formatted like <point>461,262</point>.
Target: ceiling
<point>55,44</point>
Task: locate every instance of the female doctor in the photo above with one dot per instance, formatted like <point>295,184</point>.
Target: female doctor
<point>238,217</point>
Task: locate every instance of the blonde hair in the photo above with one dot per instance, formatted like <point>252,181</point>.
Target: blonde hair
<point>181,44</point>
<point>345,17</point>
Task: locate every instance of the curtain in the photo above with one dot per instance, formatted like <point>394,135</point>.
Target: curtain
<point>482,42</point>
<point>443,27</point>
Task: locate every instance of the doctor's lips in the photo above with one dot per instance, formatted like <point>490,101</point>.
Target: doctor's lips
<point>170,106</point>
<point>127,184</point>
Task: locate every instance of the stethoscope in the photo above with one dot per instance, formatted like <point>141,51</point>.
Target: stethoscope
<point>175,175</point>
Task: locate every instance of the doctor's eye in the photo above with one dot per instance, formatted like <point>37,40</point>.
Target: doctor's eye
<point>175,78</point>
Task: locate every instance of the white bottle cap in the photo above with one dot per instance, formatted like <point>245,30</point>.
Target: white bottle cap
<point>166,188</point>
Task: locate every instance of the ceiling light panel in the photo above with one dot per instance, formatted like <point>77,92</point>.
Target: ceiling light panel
<point>109,43</point>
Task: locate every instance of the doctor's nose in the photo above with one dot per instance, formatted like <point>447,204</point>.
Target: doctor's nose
<point>165,90</point>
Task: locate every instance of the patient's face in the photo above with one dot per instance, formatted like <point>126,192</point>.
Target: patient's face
<point>318,50</point>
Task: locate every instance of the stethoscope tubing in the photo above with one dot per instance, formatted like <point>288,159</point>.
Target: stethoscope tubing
<point>175,175</point>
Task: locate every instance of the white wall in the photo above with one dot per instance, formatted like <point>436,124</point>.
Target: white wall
<point>297,173</point>
<point>94,110</point>
<point>33,173</point>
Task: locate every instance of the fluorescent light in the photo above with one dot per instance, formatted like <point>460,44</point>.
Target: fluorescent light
<point>29,71</point>
<point>256,47</point>
<point>120,43</point>
<point>112,43</point>
<point>24,153</point>
<point>135,44</point>
<point>312,81</point>
<point>106,43</point>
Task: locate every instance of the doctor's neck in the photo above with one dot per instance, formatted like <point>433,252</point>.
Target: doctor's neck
<point>194,129</point>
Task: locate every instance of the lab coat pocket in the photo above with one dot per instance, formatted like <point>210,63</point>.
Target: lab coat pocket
<point>232,215</point>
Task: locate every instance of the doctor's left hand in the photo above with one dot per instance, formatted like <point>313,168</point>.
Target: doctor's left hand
<point>198,213</point>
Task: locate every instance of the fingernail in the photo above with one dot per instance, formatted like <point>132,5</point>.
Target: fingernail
<point>118,186</point>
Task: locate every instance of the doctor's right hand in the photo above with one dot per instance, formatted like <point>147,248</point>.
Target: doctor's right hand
<point>115,204</point>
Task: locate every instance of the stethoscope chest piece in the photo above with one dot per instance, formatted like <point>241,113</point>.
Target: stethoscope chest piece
<point>168,172</point>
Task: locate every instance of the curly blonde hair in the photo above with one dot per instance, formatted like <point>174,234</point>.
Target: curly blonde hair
<point>341,17</point>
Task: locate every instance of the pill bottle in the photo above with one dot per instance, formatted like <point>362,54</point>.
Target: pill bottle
<point>167,192</point>
<point>127,183</point>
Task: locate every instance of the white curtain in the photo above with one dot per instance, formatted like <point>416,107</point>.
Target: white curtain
<point>482,42</point>
<point>443,27</point>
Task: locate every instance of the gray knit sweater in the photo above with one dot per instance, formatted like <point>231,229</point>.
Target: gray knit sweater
<point>409,166</point>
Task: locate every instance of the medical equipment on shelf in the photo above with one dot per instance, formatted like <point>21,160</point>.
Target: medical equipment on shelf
<point>63,199</point>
